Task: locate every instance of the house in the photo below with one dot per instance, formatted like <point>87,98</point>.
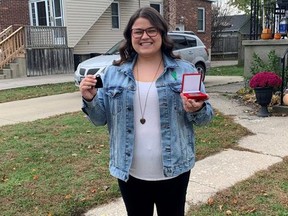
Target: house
<point>88,28</point>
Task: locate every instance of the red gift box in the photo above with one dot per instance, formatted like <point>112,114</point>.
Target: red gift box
<point>191,84</point>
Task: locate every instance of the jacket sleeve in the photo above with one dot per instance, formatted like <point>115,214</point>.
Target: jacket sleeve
<point>94,109</point>
<point>202,116</point>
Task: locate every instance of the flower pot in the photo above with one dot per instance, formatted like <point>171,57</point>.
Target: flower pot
<point>263,98</point>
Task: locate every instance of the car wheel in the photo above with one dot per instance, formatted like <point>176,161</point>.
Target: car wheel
<point>201,69</point>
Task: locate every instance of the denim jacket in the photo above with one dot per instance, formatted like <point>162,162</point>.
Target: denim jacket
<point>113,105</point>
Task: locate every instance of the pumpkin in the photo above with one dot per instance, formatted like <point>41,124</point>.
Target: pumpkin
<point>266,36</point>
<point>277,36</point>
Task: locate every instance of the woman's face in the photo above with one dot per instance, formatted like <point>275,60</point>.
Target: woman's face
<point>146,39</point>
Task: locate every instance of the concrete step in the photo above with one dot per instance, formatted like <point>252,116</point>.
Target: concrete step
<point>14,69</point>
<point>6,73</point>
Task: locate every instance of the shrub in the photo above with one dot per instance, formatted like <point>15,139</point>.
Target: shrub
<point>272,64</point>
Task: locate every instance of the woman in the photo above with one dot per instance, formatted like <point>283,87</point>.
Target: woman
<point>150,122</point>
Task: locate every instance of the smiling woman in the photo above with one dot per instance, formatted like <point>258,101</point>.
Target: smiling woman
<point>145,85</point>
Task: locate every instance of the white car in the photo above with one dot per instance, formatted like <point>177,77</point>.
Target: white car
<point>188,46</point>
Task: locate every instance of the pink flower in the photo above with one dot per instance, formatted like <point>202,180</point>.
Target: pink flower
<point>265,79</point>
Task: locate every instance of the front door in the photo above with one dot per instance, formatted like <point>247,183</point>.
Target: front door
<point>46,12</point>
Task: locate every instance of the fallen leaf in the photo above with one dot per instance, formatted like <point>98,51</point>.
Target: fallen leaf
<point>68,196</point>
<point>228,212</point>
<point>210,201</point>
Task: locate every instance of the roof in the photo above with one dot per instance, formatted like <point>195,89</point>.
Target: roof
<point>238,23</point>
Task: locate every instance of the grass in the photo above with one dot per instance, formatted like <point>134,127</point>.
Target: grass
<point>59,165</point>
<point>226,71</point>
<point>36,91</point>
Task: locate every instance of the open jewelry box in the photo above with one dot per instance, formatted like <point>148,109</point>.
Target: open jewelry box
<point>191,84</point>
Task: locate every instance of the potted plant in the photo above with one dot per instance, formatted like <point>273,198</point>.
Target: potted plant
<point>264,83</point>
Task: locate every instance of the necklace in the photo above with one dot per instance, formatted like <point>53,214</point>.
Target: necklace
<point>143,120</point>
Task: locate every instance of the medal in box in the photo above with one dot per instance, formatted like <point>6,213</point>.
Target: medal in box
<point>191,85</point>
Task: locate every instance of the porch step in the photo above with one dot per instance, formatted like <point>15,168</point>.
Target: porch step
<point>14,69</point>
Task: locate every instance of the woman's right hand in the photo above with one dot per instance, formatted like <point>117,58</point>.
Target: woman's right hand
<point>87,87</point>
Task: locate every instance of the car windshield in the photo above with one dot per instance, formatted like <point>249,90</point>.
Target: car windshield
<point>114,50</point>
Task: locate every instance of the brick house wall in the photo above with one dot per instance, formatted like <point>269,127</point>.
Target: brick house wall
<point>169,8</point>
<point>13,12</point>
<point>188,9</point>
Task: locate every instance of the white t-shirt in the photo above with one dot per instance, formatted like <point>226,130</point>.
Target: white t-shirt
<point>147,156</point>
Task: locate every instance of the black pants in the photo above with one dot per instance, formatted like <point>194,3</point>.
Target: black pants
<point>169,196</point>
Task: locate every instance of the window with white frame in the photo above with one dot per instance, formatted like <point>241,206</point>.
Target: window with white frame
<point>115,15</point>
<point>201,20</point>
<point>156,6</point>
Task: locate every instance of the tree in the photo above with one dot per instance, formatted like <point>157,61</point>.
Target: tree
<point>243,5</point>
<point>220,21</point>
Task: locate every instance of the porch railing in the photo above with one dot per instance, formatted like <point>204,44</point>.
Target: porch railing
<point>45,37</point>
<point>11,46</point>
<point>6,32</point>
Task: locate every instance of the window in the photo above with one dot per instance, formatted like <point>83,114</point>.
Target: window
<point>191,42</point>
<point>156,6</point>
<point>58,13</point>
<point>201,19</point>
<point>39,12</point>
<point>179,42</point>
<point>115,15</point>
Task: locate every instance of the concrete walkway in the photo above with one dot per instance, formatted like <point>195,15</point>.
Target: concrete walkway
<point>210,175</point>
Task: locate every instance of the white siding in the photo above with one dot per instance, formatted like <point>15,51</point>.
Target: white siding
<point>81,15</point>
<point>101,36</point>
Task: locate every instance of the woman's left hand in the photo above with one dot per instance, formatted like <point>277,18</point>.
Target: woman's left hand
<point>191,105</point>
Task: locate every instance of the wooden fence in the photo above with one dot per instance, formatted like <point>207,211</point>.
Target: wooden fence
<point>230,47</point>
<point>48,61</point>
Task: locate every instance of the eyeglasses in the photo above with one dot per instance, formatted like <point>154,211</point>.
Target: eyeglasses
<point>138,33</point>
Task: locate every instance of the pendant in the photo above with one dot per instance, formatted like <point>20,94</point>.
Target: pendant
<point>142,120</point>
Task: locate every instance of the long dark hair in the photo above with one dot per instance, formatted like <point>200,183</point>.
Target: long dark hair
<point>126,50</point>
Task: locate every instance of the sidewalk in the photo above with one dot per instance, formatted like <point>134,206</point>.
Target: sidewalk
<point>210,175</point>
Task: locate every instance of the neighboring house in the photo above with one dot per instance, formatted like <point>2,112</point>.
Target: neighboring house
<point>92,27</point>
<point>190,15</point>
<point>229,43</point>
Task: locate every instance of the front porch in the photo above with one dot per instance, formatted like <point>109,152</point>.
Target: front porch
<point>34,51</point>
